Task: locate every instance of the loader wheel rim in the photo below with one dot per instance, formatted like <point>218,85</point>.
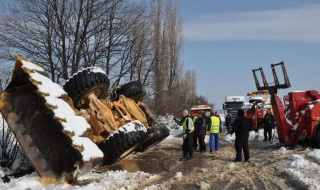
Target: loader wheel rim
<point>84,100</point>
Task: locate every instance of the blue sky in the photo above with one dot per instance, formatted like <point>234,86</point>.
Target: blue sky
<point>226,39</point>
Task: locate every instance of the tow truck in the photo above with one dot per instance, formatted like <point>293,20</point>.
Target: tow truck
<point>298,119</point>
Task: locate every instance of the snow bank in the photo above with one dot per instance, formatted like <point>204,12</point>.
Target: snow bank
<point>282,148</point>
<point>252,135</point>
<point>176,133</point>
<point>113,180</point>
<point>116,180</point>
<point>303,170</point>
<point>315,155</point>
<point>169,121</point>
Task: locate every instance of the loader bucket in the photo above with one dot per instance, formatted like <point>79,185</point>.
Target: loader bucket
<point>44,124</point>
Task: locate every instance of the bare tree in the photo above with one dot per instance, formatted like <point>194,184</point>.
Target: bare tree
<point>5,70</point>
<point>175,40</point>
<point>66,35</point>
<point>188,89</point>
<point>9,147</point>
<point>168,41</point>
<point>130,40</point>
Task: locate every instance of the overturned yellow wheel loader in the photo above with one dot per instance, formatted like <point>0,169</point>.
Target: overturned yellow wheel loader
<point>66,132</point>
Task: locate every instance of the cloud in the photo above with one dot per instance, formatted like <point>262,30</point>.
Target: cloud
<point>301,24</point>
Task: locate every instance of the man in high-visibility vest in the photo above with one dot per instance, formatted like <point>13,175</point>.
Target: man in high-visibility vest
<point>215,129</point>
<point>188,128</point>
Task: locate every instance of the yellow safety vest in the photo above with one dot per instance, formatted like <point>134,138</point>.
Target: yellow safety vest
<point>184,124</point>
<point>215,124</point>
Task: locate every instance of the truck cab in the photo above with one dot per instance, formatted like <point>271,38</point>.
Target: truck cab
<point>233,104</point>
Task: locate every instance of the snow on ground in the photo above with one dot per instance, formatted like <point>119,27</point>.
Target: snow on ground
<point>108,180</point>
<point>301,167</point>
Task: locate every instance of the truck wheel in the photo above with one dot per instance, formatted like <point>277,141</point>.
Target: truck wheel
<point>160,132</point>
<point>123,142</point>
<point>133,89</point>
<point>318,139</point>
<point>86,81</point>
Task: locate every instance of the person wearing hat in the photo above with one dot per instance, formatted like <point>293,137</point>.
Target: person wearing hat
<point>241,129</point>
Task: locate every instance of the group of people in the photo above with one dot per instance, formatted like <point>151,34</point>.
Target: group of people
<point>194,130</point>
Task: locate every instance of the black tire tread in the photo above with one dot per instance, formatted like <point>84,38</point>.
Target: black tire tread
<point>83,82</point>
<point>160,132</point>
<point>132,89</point>
<point>120,142</point>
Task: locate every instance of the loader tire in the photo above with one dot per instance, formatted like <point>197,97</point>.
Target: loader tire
<point>159,131</point>
<point>85,82</point>
<point>123,142</point>
<point>132,89</point>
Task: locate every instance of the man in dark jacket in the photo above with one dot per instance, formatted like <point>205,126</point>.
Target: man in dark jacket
<point>268,125</point>
<point>241,128</point>
<point>188,128</point>
<point>200,127</point>
<point>228,121</point>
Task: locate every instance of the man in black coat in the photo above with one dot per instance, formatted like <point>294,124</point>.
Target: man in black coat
<point>200,127</point>
<point>241,128</point>
<point>268,125</point>
<point>228,120</point>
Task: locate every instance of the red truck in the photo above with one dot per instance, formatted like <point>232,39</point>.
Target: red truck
<point>299,118</point>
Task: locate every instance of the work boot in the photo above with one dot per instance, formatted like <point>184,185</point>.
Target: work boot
<point>190,157</point>
<point>184,157</point>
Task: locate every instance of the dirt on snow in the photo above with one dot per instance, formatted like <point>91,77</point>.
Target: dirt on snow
<point>211,170</point>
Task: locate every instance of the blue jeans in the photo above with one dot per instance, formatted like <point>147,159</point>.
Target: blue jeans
<point>214,142</point>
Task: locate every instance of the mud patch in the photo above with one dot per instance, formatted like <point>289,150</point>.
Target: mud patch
<point>211,170</point>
